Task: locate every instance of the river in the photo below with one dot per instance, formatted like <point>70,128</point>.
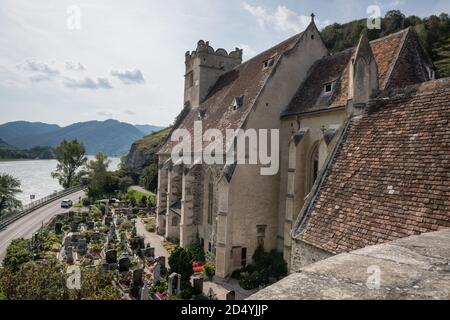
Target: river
<point>35,176</point>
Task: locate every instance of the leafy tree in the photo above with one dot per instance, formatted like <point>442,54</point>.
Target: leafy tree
<point>196,251</point>
<point>180,262</point>
<point>9,188</point>
<point>125,183</point>
<point>96,285</point>
<point>17,253</point>
<point>149,177</point>
<point>42,280</point>
<point>100,180</point>
<point>144,201</point>
<point>71,155</point>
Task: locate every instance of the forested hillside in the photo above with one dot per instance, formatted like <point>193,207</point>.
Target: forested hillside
<point>434,33</point>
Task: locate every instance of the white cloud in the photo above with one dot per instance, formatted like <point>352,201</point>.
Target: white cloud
<point>129,76</point>
<point>74,66</point>
<point>39,71</point>
<point>129,112</point>
<point>88,83</point>
<point>396,3</point>
<point>281,19</point>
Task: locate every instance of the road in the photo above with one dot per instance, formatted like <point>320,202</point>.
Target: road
<point>29,224</point>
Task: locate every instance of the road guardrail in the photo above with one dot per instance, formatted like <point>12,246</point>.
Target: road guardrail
<point>9,218</point>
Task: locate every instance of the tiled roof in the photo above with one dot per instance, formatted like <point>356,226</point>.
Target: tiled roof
<point>311,97</point>
<point>246,80</point>
<point>390,176</point>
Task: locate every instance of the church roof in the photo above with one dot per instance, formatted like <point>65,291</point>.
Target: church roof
<point>244,81</point>
<point>335,68</point>
<point>389,175</point>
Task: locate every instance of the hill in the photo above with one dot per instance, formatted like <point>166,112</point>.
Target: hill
<point>4,145</point>
<point>143,153</point>
<point>434,34</point>
<point>147,128</point>
<point>16,129</point>
<point>111,136</point>
<point>8,152</point>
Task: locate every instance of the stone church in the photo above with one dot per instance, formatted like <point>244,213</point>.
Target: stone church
<point>308,94</point>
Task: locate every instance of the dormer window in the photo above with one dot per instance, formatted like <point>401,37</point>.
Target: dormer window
<point>201,114</point>
<point>268,63</point>
<point>237,102</point>
<point>328,87</point>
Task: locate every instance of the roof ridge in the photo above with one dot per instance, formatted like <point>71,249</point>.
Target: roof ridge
<point>406,30</point>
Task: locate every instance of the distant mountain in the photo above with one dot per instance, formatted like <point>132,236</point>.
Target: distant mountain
<point>14,130</point>
<point>147,128</point>
<point>4,145</point>
<point>111,136</point>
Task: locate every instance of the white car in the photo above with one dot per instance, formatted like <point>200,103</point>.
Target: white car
<point>65,204</point>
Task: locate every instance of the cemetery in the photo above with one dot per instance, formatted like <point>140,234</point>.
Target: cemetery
<point>103,238</point>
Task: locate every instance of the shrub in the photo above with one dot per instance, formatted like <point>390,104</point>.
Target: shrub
<point>250,281</point>
<point>209,270</point>
<point>196,252</point>
<point>86,202</point>
<point>17,253</point>
<point>180,262</point>
<point>150,228</point>
<point>187,293</point>
<point>143,201</point>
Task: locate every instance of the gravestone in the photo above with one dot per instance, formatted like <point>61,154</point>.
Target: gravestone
<point>124,263</point>
<point>156,273</point>
<point>149,252</point>
<point>135,292</point>
<point>198,284</point>
<point>95,236</point>
<point>82,246</point>
<point>174,284</point>
<point>144,293</point>
<point>58,227</point>
<point>137,243</point>
<point>137,277</point>
<point>162,260</point>
<point>69,255</point>
<point>90,225</point>
<point>111,256</point>
<point>108,220</point>
<point>67,243</point>
<point>231,296</point>
<point>105,267</point>
<point>134,230</point>
<point>73,226</point>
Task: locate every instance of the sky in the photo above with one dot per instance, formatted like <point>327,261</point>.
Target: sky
<point>69,61</point>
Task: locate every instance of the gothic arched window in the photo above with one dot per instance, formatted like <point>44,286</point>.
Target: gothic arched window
<point>210,202</point>
<point>314,166</point>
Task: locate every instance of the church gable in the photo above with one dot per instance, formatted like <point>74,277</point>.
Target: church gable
<point>387,178</point>
<point>393,55</point>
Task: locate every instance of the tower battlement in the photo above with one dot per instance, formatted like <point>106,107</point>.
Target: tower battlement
<point>203,47</point>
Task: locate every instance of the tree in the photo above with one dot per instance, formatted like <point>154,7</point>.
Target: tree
<point>9,187</point>
<point>71,155</point>
<point>17,253</point>
<point>42,280</point>
<point>180,262</point>
<point>99,177</point>
<point>96,285</point>
<point>149,177</point>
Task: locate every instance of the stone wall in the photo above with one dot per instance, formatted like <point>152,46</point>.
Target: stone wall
<point>304,254</point>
